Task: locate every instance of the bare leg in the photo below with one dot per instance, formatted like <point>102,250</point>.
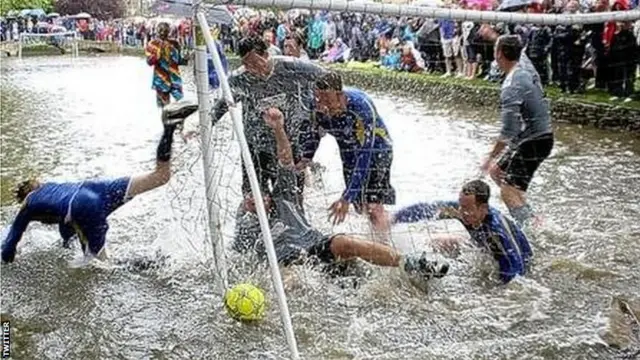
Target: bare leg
<point>514,198</point>
<point>347,247</point>
<point>378,216</point>
<point>162,173</point>
<point>459,66</point>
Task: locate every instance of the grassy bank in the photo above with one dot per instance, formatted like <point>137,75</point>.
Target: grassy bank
<point>591,96</point>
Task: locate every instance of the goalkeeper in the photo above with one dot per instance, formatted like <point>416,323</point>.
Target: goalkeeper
<point>295,240</point>
<point>82,208</point>
<point>265,82</point>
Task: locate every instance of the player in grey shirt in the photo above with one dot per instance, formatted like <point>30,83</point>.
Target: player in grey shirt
<point>265,82</point>
<point>526,129</point>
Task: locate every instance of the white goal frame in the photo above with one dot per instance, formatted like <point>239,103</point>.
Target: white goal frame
<point>236,115</point>
<point>75,48</point>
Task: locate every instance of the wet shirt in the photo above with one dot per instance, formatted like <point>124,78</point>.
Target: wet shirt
<point>165,58</point>
<point>284,89</point>
<point>524,110</point>
<point>48,204</point>
<point>361,134</point>
<point>499,235</point>
<point>292,234</point>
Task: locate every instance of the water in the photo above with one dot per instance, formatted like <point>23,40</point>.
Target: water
<point>68,119</point>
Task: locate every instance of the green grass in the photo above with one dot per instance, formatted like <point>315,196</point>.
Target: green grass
<point>591,96</point>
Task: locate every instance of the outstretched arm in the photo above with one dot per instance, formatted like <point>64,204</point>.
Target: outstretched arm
<point>303,70</point>
<point>15,234</point>
<point>286,181</point>
<point>426,211</point>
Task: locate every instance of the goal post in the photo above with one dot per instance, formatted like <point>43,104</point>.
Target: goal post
<point>236,117</point>
<point>401,10</point>
<point>66,41</point>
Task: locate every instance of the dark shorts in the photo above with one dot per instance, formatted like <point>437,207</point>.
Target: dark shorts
<point>520,163</point>
<point>471,53</point>
<point>311,246</point>
<point>89,209</point>
<point>377,187</point>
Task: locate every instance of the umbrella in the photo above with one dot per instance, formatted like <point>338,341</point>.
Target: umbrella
<point>184,8</point>
<point>514,5</point>
<point>82,15</point>
<point>482,4</point>
<point>219,15</point>
<point>53,15</point>
<point>427,3</point>
<point>57,29</point>
<point>32,12</point>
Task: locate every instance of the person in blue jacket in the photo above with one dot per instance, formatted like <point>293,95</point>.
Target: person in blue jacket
<point>214,81</point>
<point>489,229</point>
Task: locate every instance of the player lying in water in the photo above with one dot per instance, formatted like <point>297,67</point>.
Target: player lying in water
<point>296,240</point>
<point>486,225</point>
<point>82,207</point>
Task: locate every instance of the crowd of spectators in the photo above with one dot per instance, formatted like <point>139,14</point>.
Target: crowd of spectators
<point>604,56</point>
<point>575,58</point>
<point>135,31</point>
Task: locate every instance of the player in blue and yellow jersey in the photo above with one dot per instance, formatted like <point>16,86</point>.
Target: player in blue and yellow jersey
<point>81,208</point>
<point>487,226</point>
<point>350,116</point>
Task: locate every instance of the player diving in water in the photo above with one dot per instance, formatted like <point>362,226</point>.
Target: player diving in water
<point>296,240</point>
<point>81,208</point>
<point>488,228</point>
<point>526,133</point>
<point>350,116</point>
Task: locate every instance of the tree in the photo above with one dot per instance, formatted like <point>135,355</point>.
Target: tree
<point>25,4</point>
<point>100,9</point>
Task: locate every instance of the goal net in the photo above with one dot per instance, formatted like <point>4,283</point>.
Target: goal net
<point>325,184</point>
<point>65,42</point>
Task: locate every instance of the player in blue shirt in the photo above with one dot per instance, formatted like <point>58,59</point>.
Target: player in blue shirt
<point>487,226</point>
<point>82,207</point>
<point>350,116</point>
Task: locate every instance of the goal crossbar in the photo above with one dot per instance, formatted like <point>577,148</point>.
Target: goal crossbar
<point>437,12</point>
<point>75,48</point>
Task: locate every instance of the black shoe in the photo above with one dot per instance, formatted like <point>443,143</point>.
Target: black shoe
<point>176,112</point>
<point>427,266</point>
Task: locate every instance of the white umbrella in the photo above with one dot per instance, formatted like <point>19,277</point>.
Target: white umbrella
<point>428,3</point>
<point>183,8</point>
<point>138,19</point>
<point>82,16</point>
<point>53,15</point>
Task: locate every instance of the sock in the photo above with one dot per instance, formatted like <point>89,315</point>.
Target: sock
<point>164,147</point>
<point>521,214</point>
